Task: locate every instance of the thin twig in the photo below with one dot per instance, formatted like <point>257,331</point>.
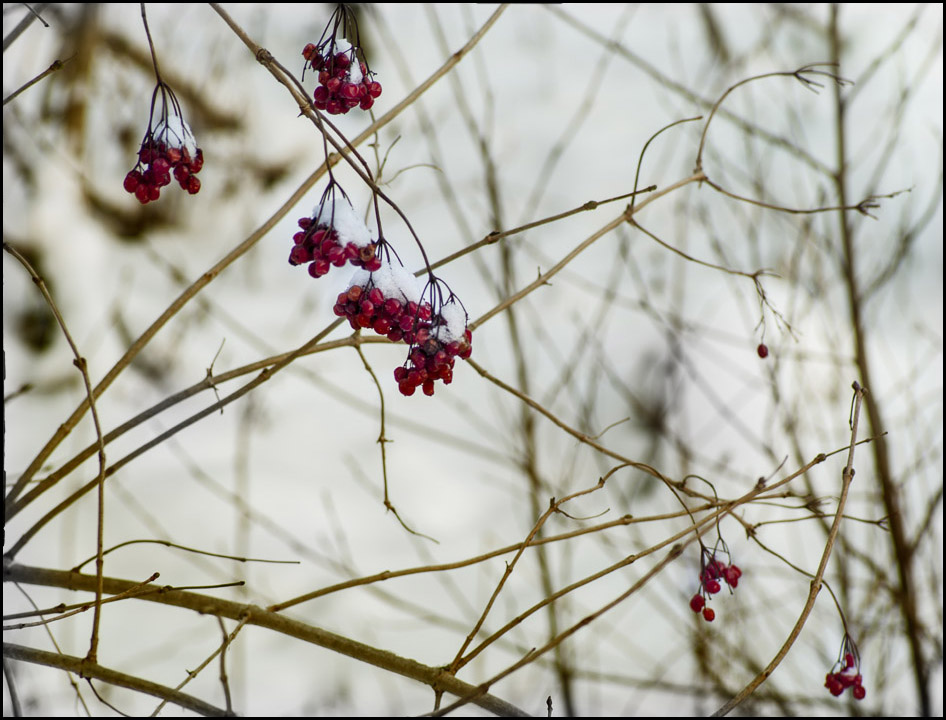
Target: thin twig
<point>57,65</point>
<point>82,365</point>
<point>846,477</point>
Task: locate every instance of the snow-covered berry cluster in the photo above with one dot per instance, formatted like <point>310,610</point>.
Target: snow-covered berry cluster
<point>167,149</point>
<point>713,570</point>
<point>436,346</point>
<point>345,82</point>
<point>390,301</point>
<point>846,672</point>
<point>334,235</point>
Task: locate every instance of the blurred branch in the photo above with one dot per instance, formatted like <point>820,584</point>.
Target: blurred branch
<point>34,11</point>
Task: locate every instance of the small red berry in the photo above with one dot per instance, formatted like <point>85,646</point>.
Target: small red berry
<point>763,350</point>
<point>697,603</point>
<point>131,181</point>
<point>708,614</point>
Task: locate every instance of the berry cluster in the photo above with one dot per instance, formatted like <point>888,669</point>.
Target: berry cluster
<point>431,359</point>
<point>366,306</point>
<point>333,235</point>
<point>390,302</point>
<point>712,572</point>
<point>344,81</point>
<point>168,149</point>
<point>848,672</point>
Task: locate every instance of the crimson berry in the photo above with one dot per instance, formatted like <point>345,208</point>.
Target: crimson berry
<point>712,586</point>
<point>697,603</point>
<point>708,614</point>
<point>132,179</point>
<point>197,162</point>
<point>859,692</point>
<point>834,685</point>
<point>763,350</point>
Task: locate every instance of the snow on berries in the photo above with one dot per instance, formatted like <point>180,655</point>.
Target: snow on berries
<point>391,302</point>
<point>345,82</point>
<point>846,672</point>
<point>332,236</point>
<point>168,149</point>
<point>713,570</point>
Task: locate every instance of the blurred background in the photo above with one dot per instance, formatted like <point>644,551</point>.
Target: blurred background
<point>645,341</point>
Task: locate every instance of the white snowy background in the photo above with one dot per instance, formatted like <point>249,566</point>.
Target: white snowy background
<point>300,453</point>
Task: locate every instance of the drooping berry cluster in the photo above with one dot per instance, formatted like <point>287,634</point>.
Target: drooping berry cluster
<point>391,302</point>
<point>846,672</point>
<point>713,570</point>
<point>169,148</point>
<point>434,352</point>
<point>367,307</point>
<point>334,235</point>
<point>345,82</point>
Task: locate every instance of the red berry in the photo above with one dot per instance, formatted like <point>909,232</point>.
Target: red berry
<point>193,185</point>
<point>859,692</point>
<point>697,603</point>
<point>708,614</point>
<point>712,586</point>
<point>131,181</point>
<point>318,268</point>
<point>299,255</point>
<point>198,161</point>
<point>763,351</point>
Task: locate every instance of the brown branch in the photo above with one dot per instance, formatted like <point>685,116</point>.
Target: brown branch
<point>90,670</point>
<point>255,615</point>
<point>846,477</point>
<point>57,65</point>
<point>81,363</point>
